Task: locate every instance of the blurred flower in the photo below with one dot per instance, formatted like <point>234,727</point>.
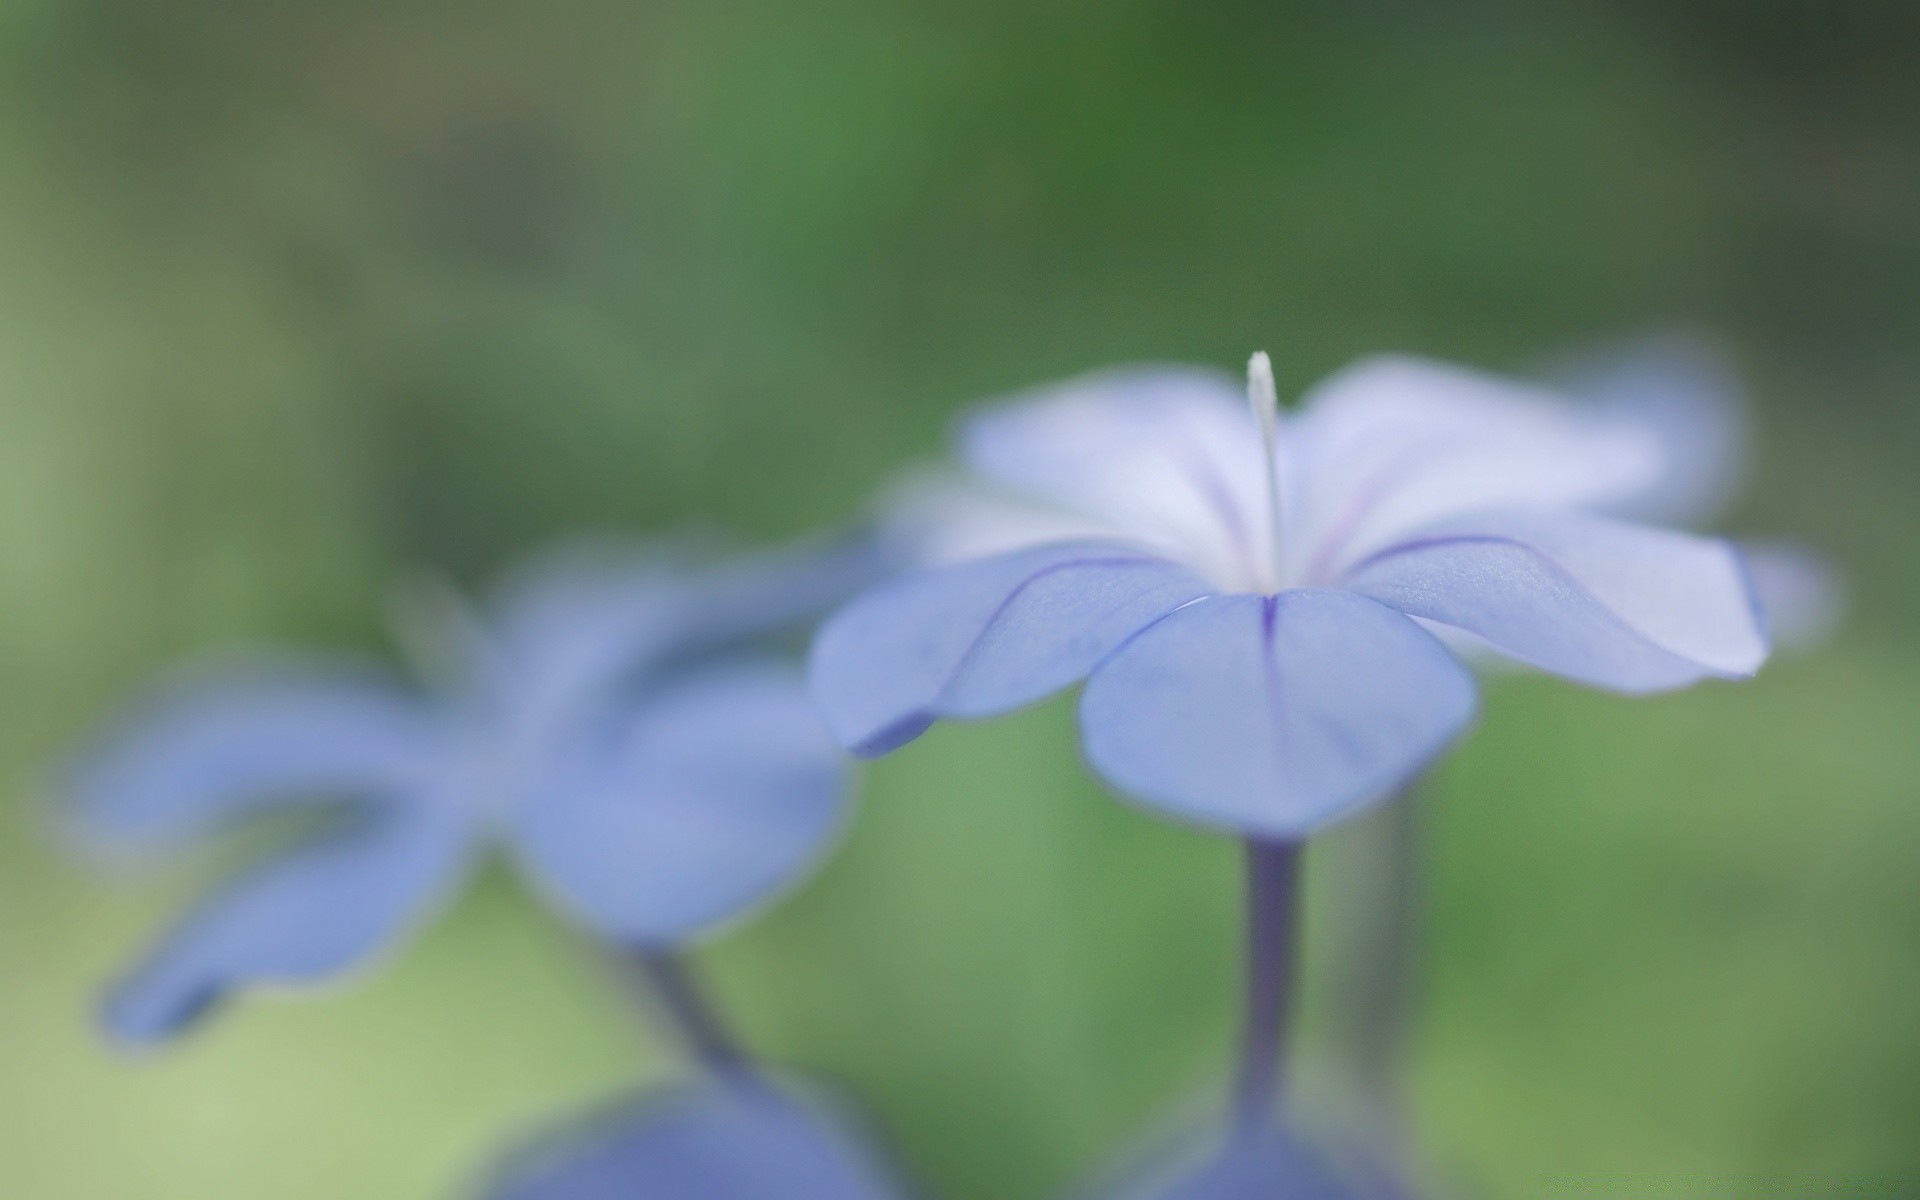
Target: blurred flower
<point>1273,1165</point>
<point>1682,392</point>
<point>1249,594</point>
<point>611,722</point>
<point>705,1142</point>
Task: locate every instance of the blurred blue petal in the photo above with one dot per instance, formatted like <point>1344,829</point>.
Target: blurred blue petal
<point>575,619</point>
<point>1801,597</point>
<point>585,619</point>
<point>1618,606</point>
<point>303,917</point>
<point>705,1143</point>
<point>1273,715</point>
<point>983,637</point>
<point>1684,393</point>
<point>1274,1166</point>
<point>227,743</point>
<point>775,590</point>
<point>716,792</point>
<point>650,793</point>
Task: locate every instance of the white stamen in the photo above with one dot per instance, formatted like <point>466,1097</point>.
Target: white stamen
<point>1260,394</point>
<point>1265,402</point>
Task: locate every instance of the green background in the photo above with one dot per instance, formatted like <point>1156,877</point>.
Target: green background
<point>297,296</point>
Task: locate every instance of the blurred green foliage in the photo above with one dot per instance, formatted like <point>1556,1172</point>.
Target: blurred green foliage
<point>301,294</point>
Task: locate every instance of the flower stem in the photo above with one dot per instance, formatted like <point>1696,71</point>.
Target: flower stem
<point>674,993</point>
<point>1273,869</point>
<point>1384,996</point>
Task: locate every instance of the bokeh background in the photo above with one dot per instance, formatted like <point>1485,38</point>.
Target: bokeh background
<point>300,296</point>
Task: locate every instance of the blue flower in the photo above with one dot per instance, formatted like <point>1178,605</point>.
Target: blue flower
<point>1272,1163</point>
<point>1253,597</point>
<point>612,723</point>
<point>709,1142</point>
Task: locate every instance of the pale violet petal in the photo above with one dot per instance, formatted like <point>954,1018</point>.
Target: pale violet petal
<point>935,519</point>
<point>301,917</point>
<point>703,1142</point>
<point>983,637</point>
<point>716,792</point>
<point>583,621</point>
<point>1600,601</point>
<point>1801,596</point>
<point>1269,1166</point>
<point>780,589</point>
<point>1392,444</point>
<point>225,742</point>
<point>1169,455</point>
<point>1273,715</point>
<point>1683,392</point>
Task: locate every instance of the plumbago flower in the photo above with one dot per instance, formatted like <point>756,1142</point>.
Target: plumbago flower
<point>1258,601</point>
<point>615,726</point>
<point>1251,597</point>
<point>1680,394</point>
<point>602,725</point>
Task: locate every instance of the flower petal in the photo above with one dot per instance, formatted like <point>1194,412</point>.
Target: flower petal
<point>225,743</point>
<point>935,519</point>
<point>720,790</point>
<point>1606,603</point>
<point>300,918</point>
<point>983,637</point>
<point>706,1143</point>
<point>1801,596</point>
<point>580,621</point>
<point>1271,1166</point>
<point>1169,455</point>
<point>1392,444</point>
<point>1684,394</point>
<point>1273,715</point>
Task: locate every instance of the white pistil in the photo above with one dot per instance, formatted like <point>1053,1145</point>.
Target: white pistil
<point>1265,402</point>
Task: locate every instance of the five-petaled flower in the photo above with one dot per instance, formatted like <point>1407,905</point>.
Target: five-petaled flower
<point>613,723</point>
<point>1253,597</point>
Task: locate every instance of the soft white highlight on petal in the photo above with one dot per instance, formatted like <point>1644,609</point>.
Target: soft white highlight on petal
<point>1392,444</point>
<point>1175,460</point>
<point>935,518</point>
<point>1170,456</point>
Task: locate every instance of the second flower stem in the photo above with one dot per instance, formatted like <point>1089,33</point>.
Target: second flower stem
<point>693,1019</point>
<point>1273,869</point>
